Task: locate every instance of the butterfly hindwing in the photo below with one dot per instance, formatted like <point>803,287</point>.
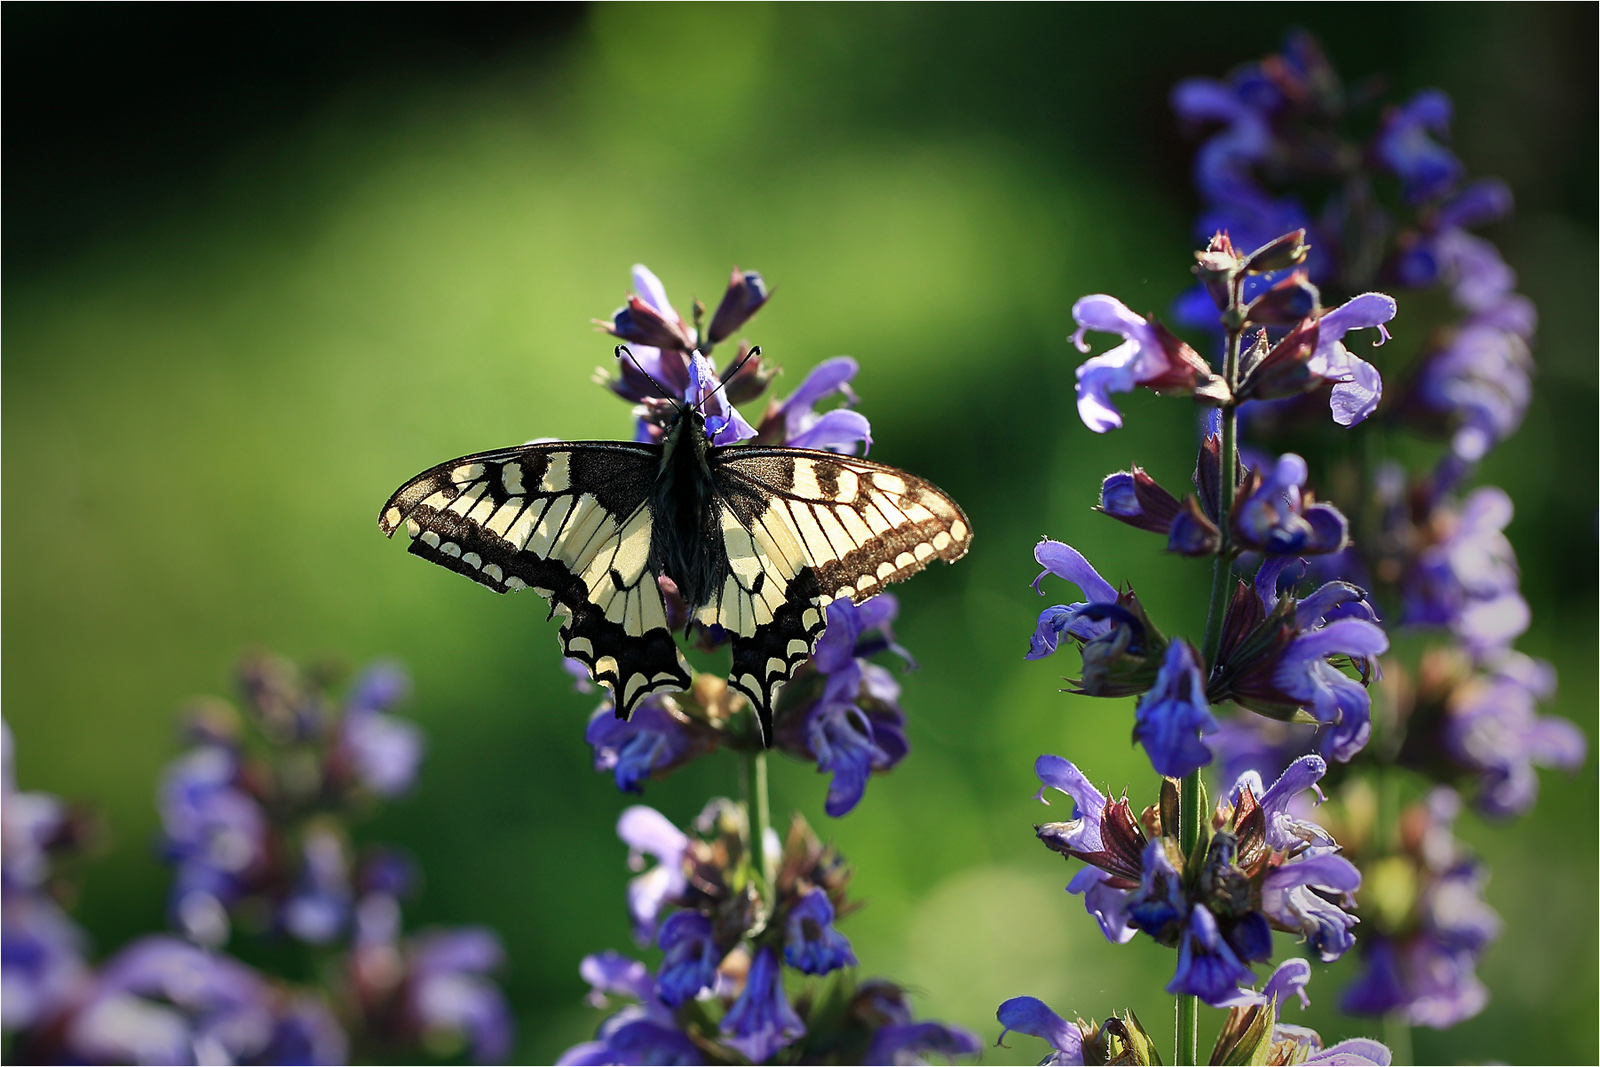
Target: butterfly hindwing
<point>571,521</point>
<point>802,528</point>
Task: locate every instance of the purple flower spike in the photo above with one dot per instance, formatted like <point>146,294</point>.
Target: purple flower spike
<point>647,831</point>
<point>1359,387</point>
<point>1207,966</point>
<point>1171,717</point>
<point>613,974</point>
<point>761,1021</point>
<point>1032,1016</point>
<point>811,944</point>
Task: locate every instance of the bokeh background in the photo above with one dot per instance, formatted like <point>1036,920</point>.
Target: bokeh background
<point>262,264</point>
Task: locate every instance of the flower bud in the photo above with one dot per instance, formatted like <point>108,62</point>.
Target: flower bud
<point>1134,497</point>
<point>746,294</point>
<point>1279,254</point>
<point>745,379</point>
<point>642,324</point>
<point>1216,268</point>
<point>1286,303</point>
<point>1285,369</point>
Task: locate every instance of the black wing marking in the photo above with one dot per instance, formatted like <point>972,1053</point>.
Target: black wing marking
<point>802,528</point>
<point>571,521</point>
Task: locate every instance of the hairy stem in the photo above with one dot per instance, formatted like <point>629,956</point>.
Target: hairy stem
<point>1187,1031</point>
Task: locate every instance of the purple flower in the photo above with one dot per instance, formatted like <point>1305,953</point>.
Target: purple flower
<point>318,909</point>
<point>1207,965</point>
<point>41,957</point>
<point>1066,562</point>
<point>648,318</point>
<point>1479,383</point>
<point>795,421</point>
<point>745,295</point>
<point>691,957</point>
<point>1149,355</point>
<point>724,424</point>
<point>811,944</point>
<point>161,1000</point>
<point>1358,387</point>
<point>1031,1016</point>
<point>1407,147</point>
<point>1275,518</point>
<point>215,834</point>
<point>1301,895</point>
<point>1172,715</point>
<point>1494,732</point>
<point>1467,578</point>
<point>647,831</point>
<point>643,1033</point>
<point>448,990</point>
<point>1283,829</point>
<point>908,1043</point>
<point>856,726</point>
<point>1426,969</point>
<point>761,1021</point>
<point>650,743</point>
<point>1276,653</point>
<point>1296,1044</point>
<point>384,751</point>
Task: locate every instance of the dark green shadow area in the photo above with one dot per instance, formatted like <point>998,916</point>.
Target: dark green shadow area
<point>339,245</point>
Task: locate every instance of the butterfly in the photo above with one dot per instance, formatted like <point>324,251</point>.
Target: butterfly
<point>757,541</point>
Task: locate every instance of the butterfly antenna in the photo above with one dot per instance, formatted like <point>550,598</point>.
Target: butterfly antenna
<point>732,372</point>
<point>665,392</point>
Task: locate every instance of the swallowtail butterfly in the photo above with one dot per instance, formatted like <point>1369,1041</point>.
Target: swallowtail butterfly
<point>757,540</point>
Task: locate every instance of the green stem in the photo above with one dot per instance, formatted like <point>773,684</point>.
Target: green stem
<point>1397,1035</point>
<point>758,812</point>
<point>1186,1036</point>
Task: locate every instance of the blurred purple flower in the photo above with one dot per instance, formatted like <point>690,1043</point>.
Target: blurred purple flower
<point>215,835</point>
<point>1467,579</point>
<point>690,957</point>
<point>384,751</point>
<point>648,832</point>
<point>811,944</point>
<point>317,911</point>
<point>642,1033</point>
<point>1425,971</point>
<point>1406,145</point>
<point>761,1021</point>
<point>447,990</point>
<point>1495,733</point>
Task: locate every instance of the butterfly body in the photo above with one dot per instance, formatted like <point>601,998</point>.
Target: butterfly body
<point>756,540</point>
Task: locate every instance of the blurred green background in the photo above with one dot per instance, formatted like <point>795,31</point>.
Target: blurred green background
<point>264,264</point>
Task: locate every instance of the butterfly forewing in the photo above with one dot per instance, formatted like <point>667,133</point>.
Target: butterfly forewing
<point>802,528</point>
<point>571,521</point>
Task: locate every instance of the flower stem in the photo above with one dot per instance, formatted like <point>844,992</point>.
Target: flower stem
<point>1187,1031</point>
<point>758,814</point>
<point>1397,1035</point>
